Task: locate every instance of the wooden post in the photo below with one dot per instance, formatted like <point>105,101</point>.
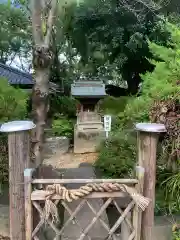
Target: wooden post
<point>28,204</point>
<point>19,159</point>
<point>148,134</point>
<point>137,213</point>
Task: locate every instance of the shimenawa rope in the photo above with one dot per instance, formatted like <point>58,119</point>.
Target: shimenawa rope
<point>69,195</point>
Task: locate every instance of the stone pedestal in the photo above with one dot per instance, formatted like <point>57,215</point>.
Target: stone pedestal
<point>87,140</point>
<point>56,144</point>
<point>88,132</point>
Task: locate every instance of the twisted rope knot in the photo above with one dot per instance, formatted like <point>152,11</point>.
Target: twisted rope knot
<point>74,194</point>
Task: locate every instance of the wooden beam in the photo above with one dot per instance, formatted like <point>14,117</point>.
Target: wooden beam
<point>148,134</point>
<point>64,181</point>
<point>38,195</point>
<point>125,229</point>
<point>19,159</point>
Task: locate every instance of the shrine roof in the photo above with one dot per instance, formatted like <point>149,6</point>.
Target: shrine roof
<point>88,89</point>
<point>15,76</point>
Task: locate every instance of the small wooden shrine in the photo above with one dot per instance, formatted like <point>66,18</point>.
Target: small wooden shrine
<point>89,129</point>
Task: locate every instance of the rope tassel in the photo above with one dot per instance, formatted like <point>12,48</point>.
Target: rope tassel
<point>69,195</point>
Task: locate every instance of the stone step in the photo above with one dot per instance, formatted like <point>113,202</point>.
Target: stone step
<point>56,145</point>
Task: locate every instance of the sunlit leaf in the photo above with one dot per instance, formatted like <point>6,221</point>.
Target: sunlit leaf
<point>44,27</point>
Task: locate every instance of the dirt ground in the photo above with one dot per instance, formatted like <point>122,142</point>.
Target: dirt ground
<point>70,160</point>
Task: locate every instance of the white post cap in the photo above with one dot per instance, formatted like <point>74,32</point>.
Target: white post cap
<point>17,126</point>
<point>151,127</point>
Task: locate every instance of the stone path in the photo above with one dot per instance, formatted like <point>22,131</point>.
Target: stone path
<point>85,215</point>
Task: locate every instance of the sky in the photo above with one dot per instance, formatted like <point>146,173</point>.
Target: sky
<point>23,63</point>
<point>12,1</point>
<point>17,63</point>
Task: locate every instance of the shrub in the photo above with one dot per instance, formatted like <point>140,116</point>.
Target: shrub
<point>62,127</point>
<point>13,102</point>
<point>166,202</point>
<point>159,102</point>
<point>159,85</point>
<point>171,186</point>
<point>12,107</point>
<point>176,231</point>
<point>112,105</point>
<point>160,99</point>
<point>117,156</point>
<point>64,105</point>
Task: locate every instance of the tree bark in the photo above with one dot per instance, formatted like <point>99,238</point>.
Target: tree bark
<point>42,59</point>
<point>40,107</point>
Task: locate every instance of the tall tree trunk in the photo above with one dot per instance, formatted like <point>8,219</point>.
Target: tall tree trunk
<point>40,106</point>
<point>43,16</point>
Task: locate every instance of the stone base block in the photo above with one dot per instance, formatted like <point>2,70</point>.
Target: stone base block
<point>56,144</point>
<point>87,141</point>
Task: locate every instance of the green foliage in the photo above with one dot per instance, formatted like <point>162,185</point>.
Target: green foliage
<point>165,206</point>
<point>111,40</point>
<point>111,105</point>
<point>62,127</point>
<point>68,106</point>
<point>161,84</point>
<point>64,105</point>
<point>117,156</point>
<point>63,110</point>
<point>176,231</point>
<point>12,107</point>
<point>165,202</point>
<point>12,102</point>
<point>14,32</point>
<point>171,188</point>
<point>176,235</point>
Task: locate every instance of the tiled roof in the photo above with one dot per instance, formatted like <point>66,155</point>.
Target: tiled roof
<point>88,89</point>
<point>15,76</point>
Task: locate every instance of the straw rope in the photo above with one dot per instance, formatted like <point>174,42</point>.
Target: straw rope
<point>74,194</point>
